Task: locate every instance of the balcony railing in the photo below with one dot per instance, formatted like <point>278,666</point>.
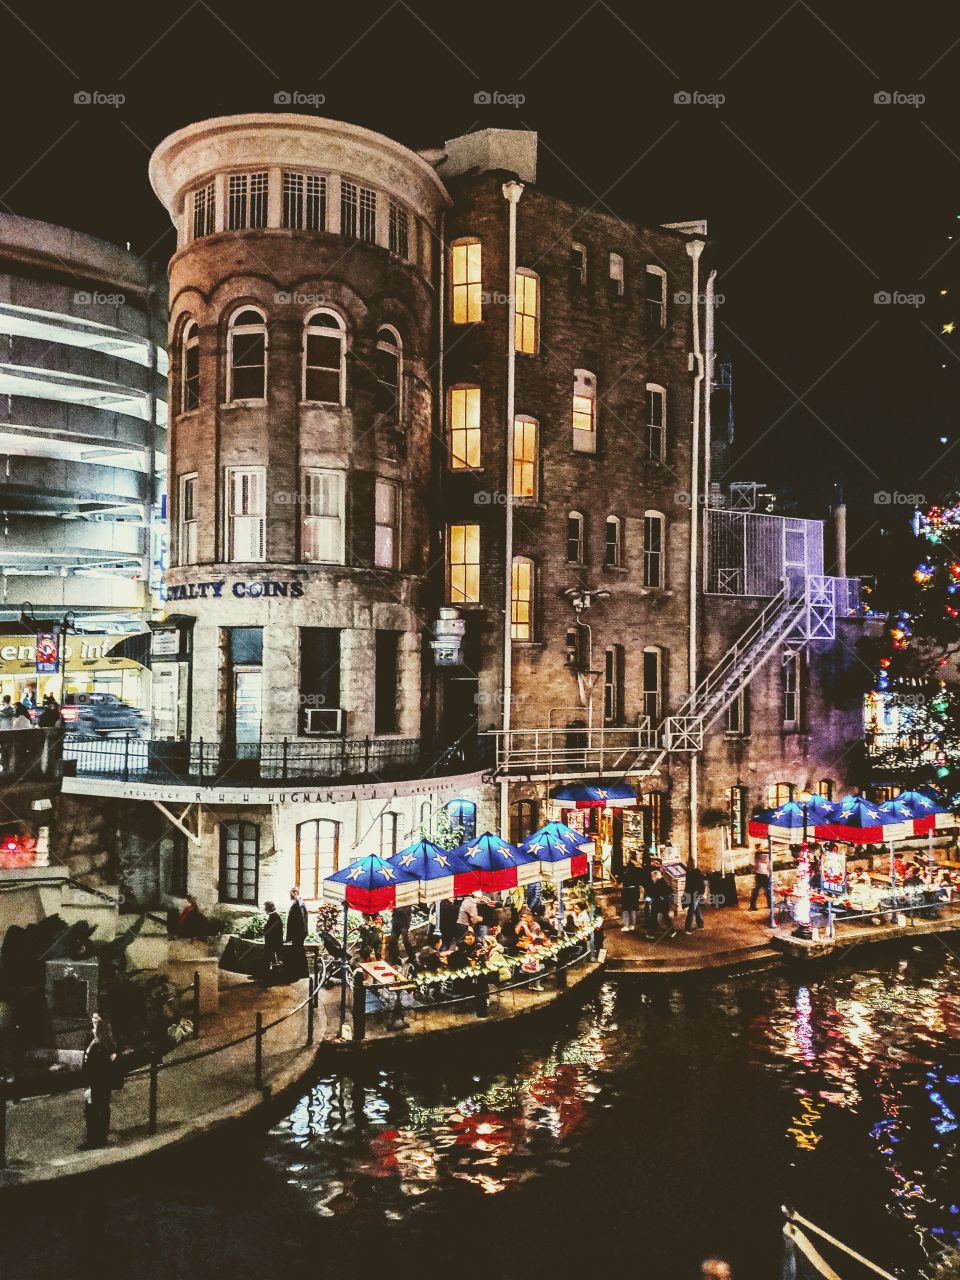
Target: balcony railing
<point>270,762</point>
<point>570,752</point>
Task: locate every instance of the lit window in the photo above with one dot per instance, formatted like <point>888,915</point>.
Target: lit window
<point>318,854</point>
<point>463,818</point>
<point>521,599</point>
<point>304,201</point>
<point>203,208</point>
<point>652,691</point>
<point>463,564</point>
<point>187,540</point>
<point>324,358</point>
<point>386,505</point>
<point>825,788</point>
<point>657,296</point>
<point>321,529</point>
<point>466,282</point>
<point>388,368</point>
<point>584,411</point>
<point>246,506</point>
<point>247,355</point>
<point>464,428</point>
<point>399,233</point>
<point>190,367</point>
<point>246,201</point>
<point>368,215</point>
<point>575,526</point>
<point>613,667</point>
<point>525,457</point>
<point>653,523</point>
<point>616,275</point>
<point>527,322</point>
<point>613,543</point>
<point>791,690</point>
<point>739,817</point>
<point>239,862</point>
<point>578,265</point>
<point>656,422</point>
<point>779,793</point>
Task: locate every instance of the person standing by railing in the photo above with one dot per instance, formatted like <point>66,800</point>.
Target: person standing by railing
<point>297,930</point>
<point>98,1071</point>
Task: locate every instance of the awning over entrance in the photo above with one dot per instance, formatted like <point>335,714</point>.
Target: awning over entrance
<point>587,795</point>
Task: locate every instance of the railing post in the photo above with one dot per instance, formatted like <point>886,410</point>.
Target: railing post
<point>359,1007</point>
<point>343,755</point>
<point>196,1004</point>
<point>316,977</point>
<point>200,745</point>
<point>561,972</point>
<point>366,756</point>
<point>126,758</point>
<point>310,1008</point>
<point>285,759</point>
<point>258,1054</point>
<point>483,996</point>
<point>152,1105</point>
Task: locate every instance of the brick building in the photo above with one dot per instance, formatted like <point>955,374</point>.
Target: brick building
<point>440,461</point>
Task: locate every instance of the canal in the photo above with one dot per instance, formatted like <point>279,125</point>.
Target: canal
<point>656,1125</point>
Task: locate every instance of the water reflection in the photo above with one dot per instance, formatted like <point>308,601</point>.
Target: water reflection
<point>840,1094</point>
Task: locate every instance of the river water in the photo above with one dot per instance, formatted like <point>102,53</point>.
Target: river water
<point>655,1125</point>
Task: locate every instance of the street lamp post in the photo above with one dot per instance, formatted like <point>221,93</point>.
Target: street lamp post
<point>63,628</point>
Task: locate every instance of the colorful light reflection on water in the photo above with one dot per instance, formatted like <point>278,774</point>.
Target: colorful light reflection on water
<point>853,1077</point>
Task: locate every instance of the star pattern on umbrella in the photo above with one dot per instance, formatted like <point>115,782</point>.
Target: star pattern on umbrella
<point>355,872</point>
<point>387,872</point>
<point>441,861</point>
<point>535,848</point>
<point>407,858</point>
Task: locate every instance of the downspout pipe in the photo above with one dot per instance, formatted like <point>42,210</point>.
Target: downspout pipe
<point>512,191</point>
<point>694,249</point>
<point>708,384</point>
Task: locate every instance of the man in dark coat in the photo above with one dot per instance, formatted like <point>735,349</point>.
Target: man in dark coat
<point>694,887</point>
<point>272,940</point>
<point>400,919</point>
<point>297,930</point>
<point>98,1073</point>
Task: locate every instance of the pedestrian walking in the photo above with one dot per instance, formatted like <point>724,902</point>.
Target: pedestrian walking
<point>694,887</point>
<point>661,904</point>
<point>400,932</point>
<point>98,1073</point>
<point>297,930</point>
<point>272,941</point>
<point>761,875</point>
<point>630,883</point>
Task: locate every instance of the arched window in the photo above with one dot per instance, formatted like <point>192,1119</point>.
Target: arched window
<point>575,538</point>
<point>463,815</point>
<point>324,358</point>
<point>527,316</point>
<point>190,367</point>
<point>653,548</point>
<point>521,599</point>
<point>613,679</point>
<point>526,457</point>
<point>584,411</point>
<point>656,422</point>
<point>318,854</point>
<point>613,543</point>
<point>388,367</point>
<point>247,355</point>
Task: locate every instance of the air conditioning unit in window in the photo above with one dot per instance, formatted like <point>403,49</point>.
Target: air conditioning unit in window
<point>325,720</point>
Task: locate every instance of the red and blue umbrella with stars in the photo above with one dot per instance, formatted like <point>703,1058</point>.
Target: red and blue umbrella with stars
<point>499,864</point>
<point>562,852</point>
<point>372,884</point>
<point>442,873</point>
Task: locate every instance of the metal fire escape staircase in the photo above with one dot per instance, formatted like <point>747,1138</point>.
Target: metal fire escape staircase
<point>804,610</point>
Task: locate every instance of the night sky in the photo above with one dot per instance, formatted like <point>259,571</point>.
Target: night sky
<point>818,196</point>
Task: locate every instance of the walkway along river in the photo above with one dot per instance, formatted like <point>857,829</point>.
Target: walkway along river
<point>662,1122</point>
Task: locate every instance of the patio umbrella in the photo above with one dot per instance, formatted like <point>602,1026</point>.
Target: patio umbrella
<point>442,873</point>
<point>787,821</point>
<point>500,865</point>
<point>371,884</point>
<point>916,808</point>
<point>562,852</point>
<point>581,795</point>
<point>856,820</point>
